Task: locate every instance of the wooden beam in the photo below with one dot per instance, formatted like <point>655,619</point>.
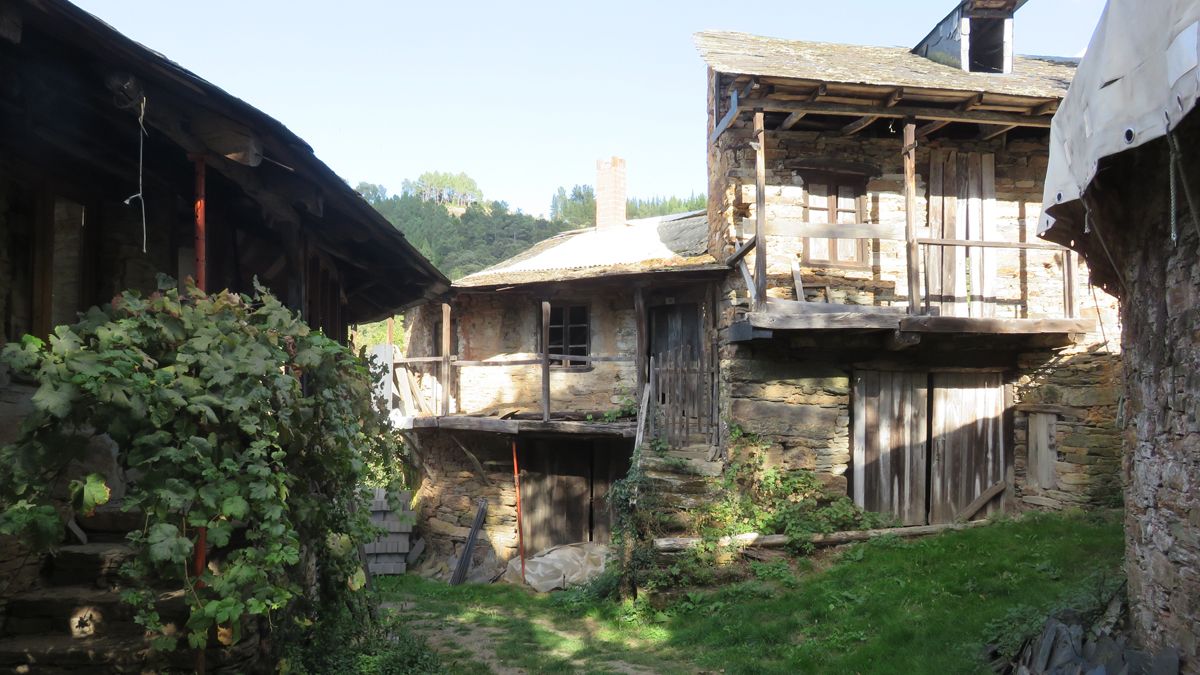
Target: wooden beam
<point>930,127</point>
<point>963,324</point>
<point>751,287</point>
<point>642,336</point>
<point>900,112</point>
<point>446,371</point>
<point>545,361</point>
<point>988,132</point>
<point>1070,308</point>
<point>899,340</point>
<point>910,214</point>
<point>1029,245</point>
<point>782,306</point>
<point>866,120</point>
<point>729,118</point>
<point>742,250</point>
<point>967,105</point>
<point>760,210</point>
<point>823,321</point>
<point>794,227</point>
<point>791,120</point>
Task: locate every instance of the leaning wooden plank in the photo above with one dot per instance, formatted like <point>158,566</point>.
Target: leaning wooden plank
<point>751,288</point>
<point>753,539</point>
<point>980,502</point>
<point>797,281</point>
<point>474,462</point>
<point>742,250</point>
<point>464,559</point>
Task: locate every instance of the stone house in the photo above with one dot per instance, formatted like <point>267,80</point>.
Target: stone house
<point>1121,190</point>
<point>117,165</point>
<point>872,302</point>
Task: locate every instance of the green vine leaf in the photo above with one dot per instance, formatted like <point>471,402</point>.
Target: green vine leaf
<point>166,545</point>
<point>234,507</point>
<point>89,493</point>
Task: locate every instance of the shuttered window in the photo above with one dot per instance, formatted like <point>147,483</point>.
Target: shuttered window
<point>835,199</point>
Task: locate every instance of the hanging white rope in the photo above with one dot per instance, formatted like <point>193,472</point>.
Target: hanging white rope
<point>141,148</point>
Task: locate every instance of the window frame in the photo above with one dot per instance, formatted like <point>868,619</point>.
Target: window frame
<point>565,325</point>
<point>834,182</point>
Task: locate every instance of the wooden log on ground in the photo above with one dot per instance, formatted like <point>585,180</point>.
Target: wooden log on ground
<point>754,539</point>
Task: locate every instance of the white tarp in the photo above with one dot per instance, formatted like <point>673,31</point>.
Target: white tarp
<point>1138,79</point>
<point>559,567</point>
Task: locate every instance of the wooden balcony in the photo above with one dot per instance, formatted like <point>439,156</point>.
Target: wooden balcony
<point>944,295</point>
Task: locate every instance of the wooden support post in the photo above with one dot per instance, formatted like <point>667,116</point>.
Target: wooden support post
<point>760,213</point>
<point>446,368</point>
<point>910,214</point>
<point>639,318</point>
<point>1069,305</point>
<point>390,328</point>
<point>546,361</point>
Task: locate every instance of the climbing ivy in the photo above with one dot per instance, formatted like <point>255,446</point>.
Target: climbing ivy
<point>231,416</point>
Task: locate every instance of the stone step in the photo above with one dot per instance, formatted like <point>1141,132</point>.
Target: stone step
<point>681,465</point>
<point>671,484</point>
<point>109,523</point>
<point>82,611</point>
<point>94,562</point>
<point>54,654</point>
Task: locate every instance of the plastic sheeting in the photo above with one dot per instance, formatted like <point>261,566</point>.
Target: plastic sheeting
<point>559,567</point>
<point>1138,79</point>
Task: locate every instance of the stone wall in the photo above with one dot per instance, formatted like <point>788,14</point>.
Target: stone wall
<point>1160,314</point>
<point>507,326</point>
<point>448,494</point>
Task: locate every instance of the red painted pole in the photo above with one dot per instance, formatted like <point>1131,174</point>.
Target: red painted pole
<point>200,561</point>
<point>520,532</point>
<point>201,226</point>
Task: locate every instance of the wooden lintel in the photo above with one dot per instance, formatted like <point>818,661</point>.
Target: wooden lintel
<point>619,429</point>
<point>822,321</point>
<point>899,111</point>
<point>743,331</point>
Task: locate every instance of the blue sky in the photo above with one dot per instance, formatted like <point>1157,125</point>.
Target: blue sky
<point>523,96</point>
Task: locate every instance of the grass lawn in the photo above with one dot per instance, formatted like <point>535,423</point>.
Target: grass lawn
<point>887,606</point>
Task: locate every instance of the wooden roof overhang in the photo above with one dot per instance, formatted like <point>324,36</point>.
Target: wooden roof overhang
<point>850,107</point>
<point>380,271</point>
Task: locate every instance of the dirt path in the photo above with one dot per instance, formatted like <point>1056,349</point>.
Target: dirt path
<point>457,637</point>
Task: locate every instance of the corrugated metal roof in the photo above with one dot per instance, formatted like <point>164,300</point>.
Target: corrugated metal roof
<point>664,243</point>
<point>742,53</point>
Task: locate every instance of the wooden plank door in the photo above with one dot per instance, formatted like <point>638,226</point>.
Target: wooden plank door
<point>889,445</point>
<point>969,450</point>
<point>555,493</point>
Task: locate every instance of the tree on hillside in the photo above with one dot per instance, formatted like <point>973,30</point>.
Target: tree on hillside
<point>452,188</point>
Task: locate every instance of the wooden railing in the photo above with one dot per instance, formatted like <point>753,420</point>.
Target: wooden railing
<point>403,381</point>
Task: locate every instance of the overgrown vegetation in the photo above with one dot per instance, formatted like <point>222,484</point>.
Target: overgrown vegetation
<point>892,605</point>
<point>241,425</point>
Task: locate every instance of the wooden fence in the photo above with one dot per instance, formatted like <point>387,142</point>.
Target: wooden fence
<point>683,395</point>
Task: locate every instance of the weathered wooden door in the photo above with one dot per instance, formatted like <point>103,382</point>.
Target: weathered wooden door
<point>675,327</point>
<point>889,445</point>
<point>564,488</point>
<point>969,450</point>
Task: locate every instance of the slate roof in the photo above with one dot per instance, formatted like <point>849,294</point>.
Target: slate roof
<point>671,243</point>
<point>742,53</point>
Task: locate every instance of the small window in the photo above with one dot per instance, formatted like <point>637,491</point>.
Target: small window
<point>570,334</point>
<point>835,199</point>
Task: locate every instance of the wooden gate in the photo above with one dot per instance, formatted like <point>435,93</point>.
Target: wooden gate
<point>889,460</point>
<point>683,385</point>
<point>970,452</point>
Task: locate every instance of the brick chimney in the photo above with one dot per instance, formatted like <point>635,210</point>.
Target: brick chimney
<point>610,193</point>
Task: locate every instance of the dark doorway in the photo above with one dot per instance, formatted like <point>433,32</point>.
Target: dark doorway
<point>564,489</point>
